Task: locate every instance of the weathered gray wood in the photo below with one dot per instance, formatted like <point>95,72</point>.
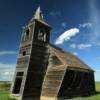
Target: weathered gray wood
<point>46,72</point>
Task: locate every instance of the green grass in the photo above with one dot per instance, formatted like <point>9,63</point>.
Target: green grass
<point>4,93</point>
<point>98,86</point>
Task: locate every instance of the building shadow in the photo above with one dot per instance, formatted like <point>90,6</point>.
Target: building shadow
<point>97,92</point>
<point>80,96</point>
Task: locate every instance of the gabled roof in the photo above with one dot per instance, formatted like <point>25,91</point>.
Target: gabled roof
<point>68,59</point>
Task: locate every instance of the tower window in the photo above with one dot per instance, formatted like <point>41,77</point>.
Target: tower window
<point>27,34</point>
<point>42,35</point>
<point>24,53</point>
<point>41,15</point>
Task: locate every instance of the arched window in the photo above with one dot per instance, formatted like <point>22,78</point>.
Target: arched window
<point>42,35</point>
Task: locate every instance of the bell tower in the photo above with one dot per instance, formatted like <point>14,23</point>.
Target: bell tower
<point>32,59</point>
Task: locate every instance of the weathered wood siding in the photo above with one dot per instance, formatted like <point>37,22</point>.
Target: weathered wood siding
<point>53,78</point>
<point>77,83</point>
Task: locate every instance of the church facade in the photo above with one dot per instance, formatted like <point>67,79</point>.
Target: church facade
<point>46,72</point>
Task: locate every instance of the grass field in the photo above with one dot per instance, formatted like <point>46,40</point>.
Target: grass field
<point>4,93</point>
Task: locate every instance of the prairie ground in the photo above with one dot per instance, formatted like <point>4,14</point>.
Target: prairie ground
<point>5,88</point>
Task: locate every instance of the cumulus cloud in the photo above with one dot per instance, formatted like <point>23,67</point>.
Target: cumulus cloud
<point>7,52</point>
<point>67,35</point>
<point>85,25</point>
<point>81,46</point>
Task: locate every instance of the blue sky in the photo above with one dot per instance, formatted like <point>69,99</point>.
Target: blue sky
<point>75,28</point>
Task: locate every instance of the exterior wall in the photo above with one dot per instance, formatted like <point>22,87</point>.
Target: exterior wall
<point>32,61</point>
<point>36,72</point>
<point>77,83</point>
<point>23,60</point>
<point>53,78</point>
<point>48,98</point>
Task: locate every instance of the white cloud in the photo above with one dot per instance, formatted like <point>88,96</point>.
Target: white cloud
<point>63,24</point>
<point>95,19</point>
<point>73,46</point>
<point>67,35</point>
<point>96,43</point>
<point>81,46</point>
<point>75,53</point>
<point>3,65</point>
<point>6,72</point>
<point>55,13</point>
<point>7,53</point>
<point>85,25</point>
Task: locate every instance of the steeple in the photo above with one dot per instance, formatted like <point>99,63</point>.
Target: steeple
<point>38,14</point>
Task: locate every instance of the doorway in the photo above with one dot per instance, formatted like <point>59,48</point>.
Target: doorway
<point>18,81</point>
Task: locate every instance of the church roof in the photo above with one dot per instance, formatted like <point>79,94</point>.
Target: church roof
<point>68,59</point>
<point>59,63</point>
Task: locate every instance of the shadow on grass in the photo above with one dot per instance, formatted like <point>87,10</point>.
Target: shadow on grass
<point>97,92</point>
<point>80,96</point>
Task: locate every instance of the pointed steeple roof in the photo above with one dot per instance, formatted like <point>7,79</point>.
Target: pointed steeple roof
<point>38,14</point>
<point>39,17</point>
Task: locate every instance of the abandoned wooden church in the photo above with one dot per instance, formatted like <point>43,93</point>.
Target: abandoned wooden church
<point>46,72</point>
